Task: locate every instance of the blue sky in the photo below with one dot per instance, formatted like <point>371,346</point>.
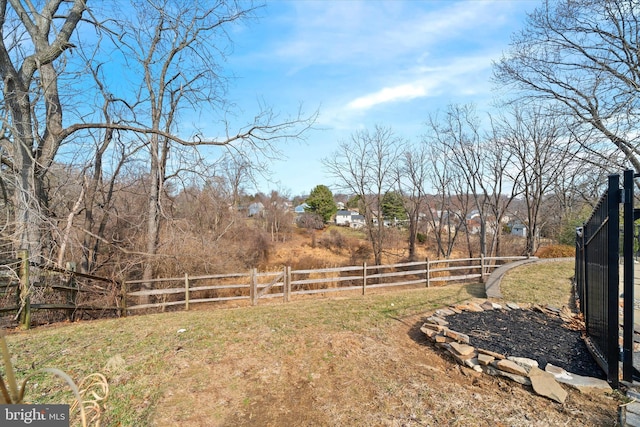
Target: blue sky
<point>363,63</point>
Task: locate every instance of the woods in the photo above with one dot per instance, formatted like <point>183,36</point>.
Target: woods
<point>108,158</point>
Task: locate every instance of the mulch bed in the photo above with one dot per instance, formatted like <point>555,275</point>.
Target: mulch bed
<point>528,333</point>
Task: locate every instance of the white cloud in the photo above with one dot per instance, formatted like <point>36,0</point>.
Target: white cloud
<point>464,75</point>
<point>388,94</point>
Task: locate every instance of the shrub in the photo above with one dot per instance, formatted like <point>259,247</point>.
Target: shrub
<point>556,251</point>
<point>333,240</point>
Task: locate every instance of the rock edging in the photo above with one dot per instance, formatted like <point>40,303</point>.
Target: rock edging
<point>520,369</point>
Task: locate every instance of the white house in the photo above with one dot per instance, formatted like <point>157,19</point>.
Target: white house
<point>255,209</point>
<point>343,217</point>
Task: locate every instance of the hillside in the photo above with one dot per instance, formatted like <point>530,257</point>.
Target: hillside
<point>357,361</point>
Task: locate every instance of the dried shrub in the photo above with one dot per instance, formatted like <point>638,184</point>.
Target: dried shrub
<point>334,241</point>
<point>307,262</point>
<point>556,251</point>
<point>360,253</point>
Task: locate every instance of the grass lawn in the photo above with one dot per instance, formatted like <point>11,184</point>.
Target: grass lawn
<point>544,283</point>
<point>355,360</point>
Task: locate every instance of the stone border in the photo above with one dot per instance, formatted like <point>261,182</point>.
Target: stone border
<point>520,369</point>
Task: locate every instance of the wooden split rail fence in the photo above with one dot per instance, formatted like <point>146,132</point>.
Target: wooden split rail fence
<point>83,293</point>
<point>254,285</point>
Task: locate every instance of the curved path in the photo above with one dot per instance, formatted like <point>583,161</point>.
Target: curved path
<point>492,286</point>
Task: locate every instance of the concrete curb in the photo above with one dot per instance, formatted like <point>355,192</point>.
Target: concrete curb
<point>492,285</point>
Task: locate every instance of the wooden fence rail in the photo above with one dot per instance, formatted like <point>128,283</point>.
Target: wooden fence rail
<point>253,286</point>
<point>121,298</point>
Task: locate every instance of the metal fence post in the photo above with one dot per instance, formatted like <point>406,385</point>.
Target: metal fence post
<point>628,321</point>
<point>613,279</point>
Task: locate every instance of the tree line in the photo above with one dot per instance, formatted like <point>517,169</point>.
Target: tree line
<point>102,159</point>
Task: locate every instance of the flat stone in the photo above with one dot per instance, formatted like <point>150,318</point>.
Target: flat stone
<point>472,363</point>
<point>497,372</point>
<point>513,306</point>
<point>496,306</point>
<point>433,326</point>
<point>458,336</point>
<point>485,359</point>
<point>437,320</point>
<point>475,307</point>
<point>524,362</point>
<point>455,310</point>
<point>492,353</point>
<point>462,349</point>
<point>629,415</point>
<point>443,312</point>
<point>461,358</point>
<point>430,333</point>
<point>441,338</point>
<point>511,367</point>
<point>579,382</point>
<point>545,384</point>
<point>444,345</point>
<point>487,306</point>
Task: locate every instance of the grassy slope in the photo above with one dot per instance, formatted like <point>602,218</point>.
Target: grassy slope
<point>347,361</point>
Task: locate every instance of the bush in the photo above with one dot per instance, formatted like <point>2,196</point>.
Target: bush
<point>334,241</point>
<point>556,251</point>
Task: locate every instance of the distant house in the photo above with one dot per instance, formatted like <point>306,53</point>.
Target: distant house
<point>351,219</point>
<point>255,209</point>
<point>518,229</point>
<point>357,221</point>
<point>300,209</point>
<point>343,217</point>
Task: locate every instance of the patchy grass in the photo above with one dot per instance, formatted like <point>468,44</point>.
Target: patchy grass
<point>356,361</point>
<point>545,283</point>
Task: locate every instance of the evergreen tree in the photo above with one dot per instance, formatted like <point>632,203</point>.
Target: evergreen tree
<point>321,202</point>
<point>393,206</point>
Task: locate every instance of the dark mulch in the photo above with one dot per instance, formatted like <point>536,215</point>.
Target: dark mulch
<point>528,333</point>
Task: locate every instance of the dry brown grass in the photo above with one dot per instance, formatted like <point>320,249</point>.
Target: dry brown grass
<point>356,361</point>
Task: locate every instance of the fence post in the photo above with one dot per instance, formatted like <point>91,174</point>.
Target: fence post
<point>253,289</point>
<point>628,282</point>
<point>364,278</point>
<point>72,295</point>
<point>427,272</point>
<point>123,297</point>
<point>613,280</point>
<point>186,291</point>
<point>285,284</point>
<point>25,298</point>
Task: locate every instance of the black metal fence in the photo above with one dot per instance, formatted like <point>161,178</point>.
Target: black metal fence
<point>597,275</point>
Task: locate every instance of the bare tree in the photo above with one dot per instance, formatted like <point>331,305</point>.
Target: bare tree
<point>174,50</point>
<point>541,149</point>
<point>32,42</point>
<point>582,55</point>
<point>482,164</point>
<point>449,206</point>
<point>413,173</point>
<point>365,166</point>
